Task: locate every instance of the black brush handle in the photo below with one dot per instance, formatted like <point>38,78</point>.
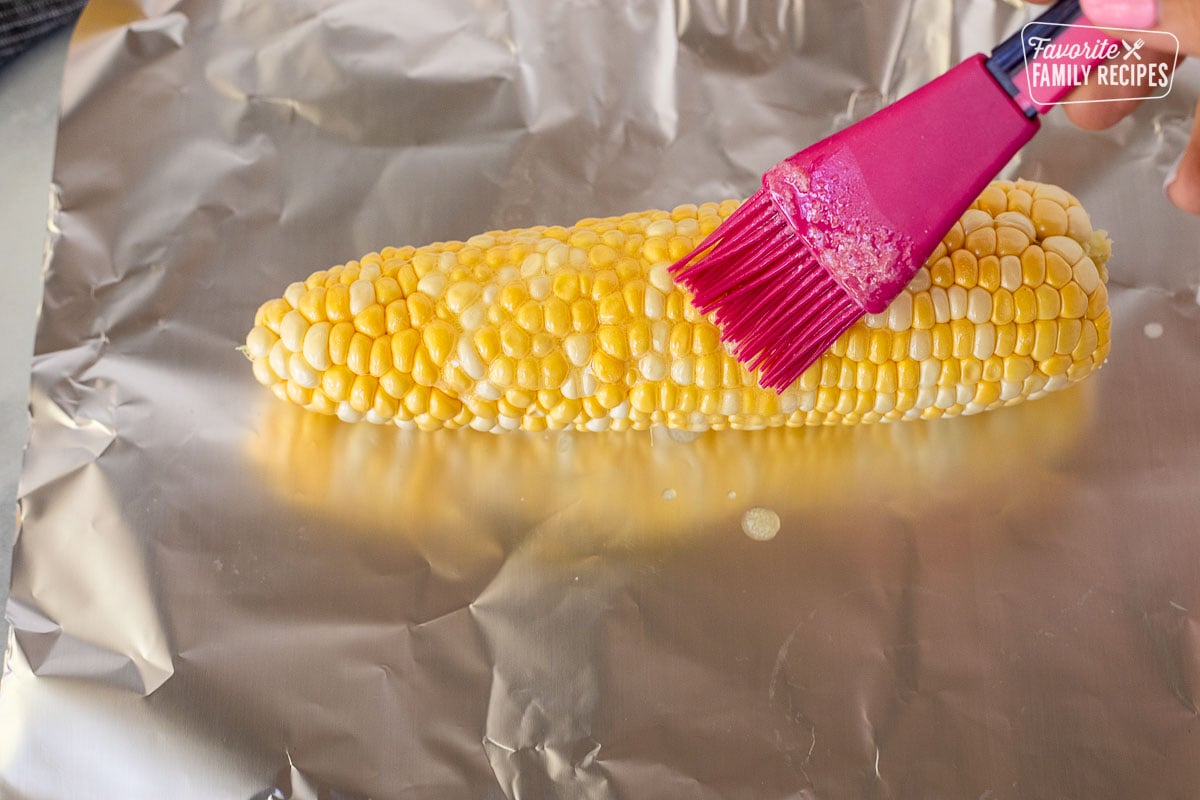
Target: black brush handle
<point>1008,61</point>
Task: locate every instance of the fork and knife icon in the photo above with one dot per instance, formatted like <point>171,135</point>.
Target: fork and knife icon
<point>1132,49</point>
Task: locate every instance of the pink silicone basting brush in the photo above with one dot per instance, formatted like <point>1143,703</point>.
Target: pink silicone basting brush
<point>840,228</point>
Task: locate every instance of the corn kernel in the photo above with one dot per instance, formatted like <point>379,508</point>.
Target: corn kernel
<point>1069,333</point>
<point>502,372</point>
<point>1033,266</point>
<point>371,321</point>
<point>514,340</point>
<point>557,316</point>
<point>380,361</point>
<point>1045,339</point>
<point>1049,303</point>
<point>606,368</point>
<point>610,395</point>
<point>1049,218</point>
<point>611,339</point>
<point>337,303</point>
<point>1026,336</point>
<point>583,316</point>
<point>1074,301</point>
<point>421,309</point>
<point>941,272</point>
<point>1025,305</point>
<point>963,333</point>
<point>396,316</point>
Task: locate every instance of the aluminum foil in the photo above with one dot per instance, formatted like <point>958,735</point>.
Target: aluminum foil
<point>216,595</point>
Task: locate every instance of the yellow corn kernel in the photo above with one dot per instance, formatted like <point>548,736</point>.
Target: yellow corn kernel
<point>1074,301</point>
<point>515,341</point>
<point>606,368</point>
<point>529,316</point>
<point>404,349</point>
<point>554,370</point>
<point>528,374</point>
<point>358,357</point>
<point>966,268</point>
<point>421,309</point>
<point>879,346</point>
<point>705,338</point>
<point>611,339</point>
<point>1049,303</point>
<point>941,272</point>
<point>502,372</point>
<point>1025,305</point>
<point>1049,218</point>
<point>371,321</point>
<point>583,316</point>
<point>337,303</point>
<point>1033,267</point>
<point>380,360</point>
<point>396,316</point>
<point>557,316</point>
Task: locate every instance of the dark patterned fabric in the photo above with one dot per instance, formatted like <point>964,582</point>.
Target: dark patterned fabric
<point>23,22</point>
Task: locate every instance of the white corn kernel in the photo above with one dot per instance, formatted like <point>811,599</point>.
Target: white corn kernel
<point>661,227</point>
<point>660,277</point>
<point>653,367</point>
<point>655,303</point>
<point>291,331</point>
<point>941,304</point>
<point>578,348</point>
<point>979,305</point>
<point>346,412</point>
<point>432,284</point>
<point>957,297</point>
<point>985,340</point>
<point>682,370</point>
<point>294,292</point>
<point>316,345</point>
<point>900,312</point>
<point>539,287</point>
<point>931,368</point>
<point>279,360</point>
<point>259,342</point>
<point>920,281</point>
<point>470,360</point>
<point>362,295</point>
<point>920,345</point>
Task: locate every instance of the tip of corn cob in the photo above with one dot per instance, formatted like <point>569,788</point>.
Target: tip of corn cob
<point>583,327</point>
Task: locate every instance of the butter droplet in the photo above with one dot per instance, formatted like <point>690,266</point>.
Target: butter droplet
<point>668,494</point>
<point>760,524</point>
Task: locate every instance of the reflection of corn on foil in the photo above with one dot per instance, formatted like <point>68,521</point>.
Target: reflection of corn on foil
<point>583,327</point>
<point>450,492</point>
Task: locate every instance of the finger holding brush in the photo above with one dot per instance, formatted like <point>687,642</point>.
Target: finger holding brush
<point>1178,17</point>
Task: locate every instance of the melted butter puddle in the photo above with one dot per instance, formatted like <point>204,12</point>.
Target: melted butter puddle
<point>760,524</point>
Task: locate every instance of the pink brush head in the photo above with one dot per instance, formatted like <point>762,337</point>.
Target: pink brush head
<point>839,229</point>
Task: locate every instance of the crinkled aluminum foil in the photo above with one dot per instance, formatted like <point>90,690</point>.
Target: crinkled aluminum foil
<point>216,595</point>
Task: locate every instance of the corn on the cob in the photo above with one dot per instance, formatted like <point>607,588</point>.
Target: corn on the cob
<point>583,327</point>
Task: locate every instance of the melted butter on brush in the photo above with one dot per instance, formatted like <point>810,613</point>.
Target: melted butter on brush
<point>829,205</point>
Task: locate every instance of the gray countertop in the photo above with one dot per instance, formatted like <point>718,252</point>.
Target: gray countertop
<point>29,93</point>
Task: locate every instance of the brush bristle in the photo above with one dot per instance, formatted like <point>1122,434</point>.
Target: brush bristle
<point>775,304</point>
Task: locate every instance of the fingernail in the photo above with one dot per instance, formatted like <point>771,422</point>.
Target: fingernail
<point>1122,13</point>
<point>1172,174</point>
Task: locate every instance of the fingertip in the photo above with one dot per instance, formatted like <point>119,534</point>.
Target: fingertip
<point>1097,116</point>
<point>1121,13</point>
<point>1184,192</point>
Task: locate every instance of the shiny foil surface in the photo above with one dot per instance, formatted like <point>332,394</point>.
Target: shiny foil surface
<point>217,595</point>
